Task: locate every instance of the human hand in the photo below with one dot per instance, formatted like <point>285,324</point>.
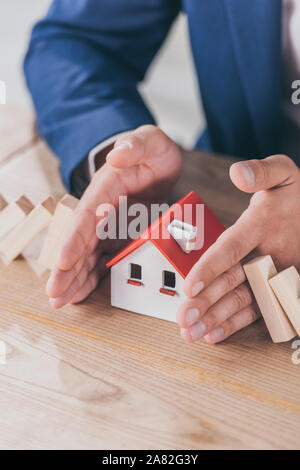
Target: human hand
<point>144,163</point>
<point>220,301</point>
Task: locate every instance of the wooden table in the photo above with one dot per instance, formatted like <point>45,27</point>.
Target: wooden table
<point>94,377</point>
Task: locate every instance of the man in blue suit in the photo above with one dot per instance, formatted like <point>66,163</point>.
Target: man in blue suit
<point>83,65</point>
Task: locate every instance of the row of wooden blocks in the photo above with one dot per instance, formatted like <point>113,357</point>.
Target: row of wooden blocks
<point>277,295</point>
<point>21,222</point>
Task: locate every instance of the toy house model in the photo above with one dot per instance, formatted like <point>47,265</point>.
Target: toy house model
<point>147,276</point>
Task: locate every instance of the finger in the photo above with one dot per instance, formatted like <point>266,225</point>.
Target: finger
<point>110,244</point>
<point>81,232</point>
<point>235,323</point>
<point>59,281</point>
<point>230,304</point>
<point>230,248</point>
<point>127,151</point>
<point>104,188</point>
<point>130,150</point>
<point>192,309</point>
<point>92,281</point>
<point>256,175</point>
<point>76,285</point>
<point>150,146</point>
<point>65,298</point>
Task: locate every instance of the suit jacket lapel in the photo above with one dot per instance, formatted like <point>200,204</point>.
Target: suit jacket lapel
<point>255,29</point>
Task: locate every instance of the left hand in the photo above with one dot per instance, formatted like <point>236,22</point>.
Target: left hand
<point>220,301</point>
<point>143,165</point>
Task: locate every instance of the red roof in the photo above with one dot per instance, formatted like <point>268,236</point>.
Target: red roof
<point>157,233</point>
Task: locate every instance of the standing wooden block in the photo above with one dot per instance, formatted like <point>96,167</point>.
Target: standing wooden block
<point>286,286</point>
<point>13,214</point>
<point>258,272</point>
<point>3,203</point>
<point>58,231</point>
<point>20,237</point>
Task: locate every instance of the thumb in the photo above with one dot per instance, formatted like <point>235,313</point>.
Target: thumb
<point>127,152</point>
<point>257,175</point>
<point>132,149</point>
<point>146,144</point>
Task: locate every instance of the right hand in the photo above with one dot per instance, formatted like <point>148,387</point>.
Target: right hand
<point>144,163</point>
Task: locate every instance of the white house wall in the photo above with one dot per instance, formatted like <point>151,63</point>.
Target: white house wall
<point>146,299</point>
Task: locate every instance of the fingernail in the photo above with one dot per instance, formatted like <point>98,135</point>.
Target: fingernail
<point>123,146</point>
<point>197,288</point>
<point>192,316</point>
<point>216,335</point>
<point>197,330</point>
<point>248,173</point>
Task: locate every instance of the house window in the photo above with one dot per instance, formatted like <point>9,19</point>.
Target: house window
<point>135,271</point>
<point>169,280</point>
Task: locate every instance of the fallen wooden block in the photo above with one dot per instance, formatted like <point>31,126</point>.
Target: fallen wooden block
<point>258,272</point>
<point>13,214</point>
<point>286,286</point>
<point>21,236</point>
<point>57,231</point>
<point>3,203</point>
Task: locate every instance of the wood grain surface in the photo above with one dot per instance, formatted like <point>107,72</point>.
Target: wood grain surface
<point>94,377</point>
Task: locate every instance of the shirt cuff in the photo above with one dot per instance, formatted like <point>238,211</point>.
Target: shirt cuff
<point>91,156</point>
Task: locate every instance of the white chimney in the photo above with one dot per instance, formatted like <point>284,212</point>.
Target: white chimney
<point>184,234</point>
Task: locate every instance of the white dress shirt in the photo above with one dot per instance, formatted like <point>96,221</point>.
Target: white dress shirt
<point>291,72</point>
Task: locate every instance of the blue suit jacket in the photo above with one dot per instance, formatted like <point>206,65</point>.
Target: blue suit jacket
<point>86,58</point>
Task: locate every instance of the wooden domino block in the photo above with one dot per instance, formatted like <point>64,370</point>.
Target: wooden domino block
<point>258,272</point>
<point>20,237</point>
<point>286,286</point>
<point>13,214</point>
<point>57,231</point>
<point>3,203</point>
